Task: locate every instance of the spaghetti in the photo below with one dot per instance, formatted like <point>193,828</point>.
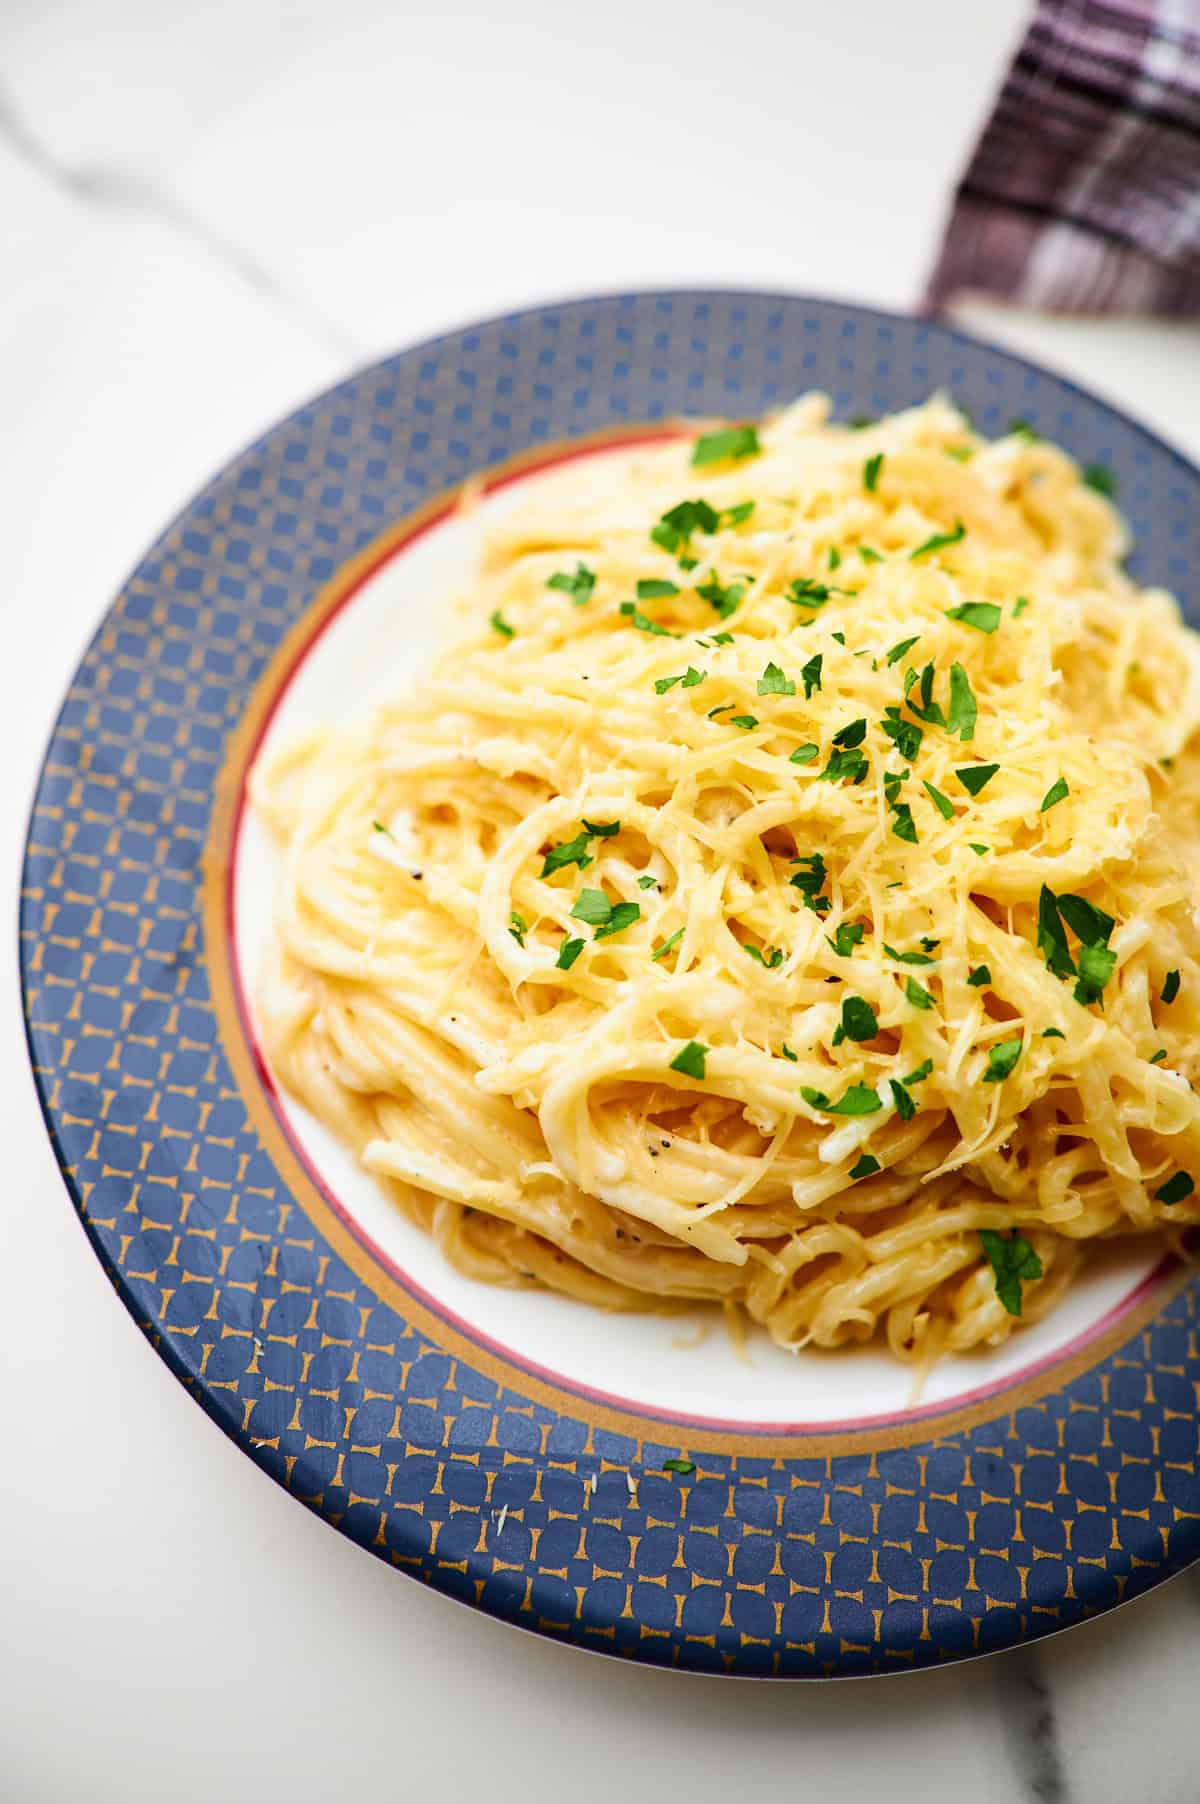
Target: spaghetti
<point>780,894</point>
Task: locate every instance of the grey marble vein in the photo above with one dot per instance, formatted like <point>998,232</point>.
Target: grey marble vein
<point>117,191</point>
<point>1029,1725</point>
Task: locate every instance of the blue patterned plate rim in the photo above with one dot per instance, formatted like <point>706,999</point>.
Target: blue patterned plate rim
<point>783,1554</point>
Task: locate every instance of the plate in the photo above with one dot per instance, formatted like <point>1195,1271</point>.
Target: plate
<point>616,1483</point>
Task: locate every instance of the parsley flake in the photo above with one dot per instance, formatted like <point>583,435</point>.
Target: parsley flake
<point>659,951</point>
<point>865,1167</point>
<point>901,646</point>
<point>859,1099</point>
<point>1056,1033</point>
<point>804,754</point>
<point>903,826</point>
<point>977,976</point>
<point>977,849</point>
<point>939,541</point>
<point>1019,606</point>
<point>577,584</point>
<point>975,777</point>
<point>859,1021</point>
<point>773,682</point>
<point>835,557</point>
<point>984,616</point>
<point>922,1071</point>
<point>1103,480</point>
<point>518,927</point>
<point>908,958</point>
<point>500,625</point>
<point>805,593</point>
<point>747,721</point>
<point>917,994</point>
<point>1175,1189</point>
<point>602,829</point>
<point>647,882</point>
<point>810,676</point>
<point>724,599</point>
<point>568,952</point>
<point>1001,1059</point>
<point>1012,1261</point>
<point>870,556</point>
<point>902,1102</point>
<point>963,708</point>
<point>689,1060</point>
<point>852,734</point>
<point>846,937</point>
<point>1156,1058</point>
<point>943,804</point>
<point>643,622</point>
<point>789,1054</point>
<point>571,851</point>
<point>653,588</point>
<point>870,472</point>
<point>847,762</point>
<point>905,735</point>
<point>685,1466</point>
<point>768,960</point>
<point>1057,792</point>
<point>728,446</point>
<point>673,532</point>
<point>1170,987</point>
<point>734,516</point>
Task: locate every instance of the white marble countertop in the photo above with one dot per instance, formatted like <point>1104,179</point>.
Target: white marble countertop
<point>207,212</point>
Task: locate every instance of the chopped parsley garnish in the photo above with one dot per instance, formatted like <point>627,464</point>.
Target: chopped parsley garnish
<point>690,677</point>
<point>1175,1189</point>
<point>1001,1059</point>
<point>578,585</point>
<point>729,445</point>
<point>984,616</point>
<point>647,882</point>
<point>1057,792</point>
<point>810,881</point>
<point>1157,1057</point>
<point>810,676</point>
<point>804,754</point>
<point>902,1102</point>
<point>977,976</point>
<point>1056,1033</point>
<point>715,639</point>
<point>804,593</point>
<point>892,782</point>
<point>643,622</point>
<point>977,848</point>
<point>673,532</point>
<point>734,516</point>
<point>1170,987</point>
<point>774,682</point>
<point>852,734</point>
<point>858,1021</point>
<point>685,1466</point>
<point>605,917</point>
<point>846,762</point>
<point>943,804</point>
<point>747,721</point>
<point>789,1054</point>
<point>861,420</point>
<point>568,952</point>
<point>1102,479</point>
<point>500,625</point>
<point>1093,927</point>
<point>905,735</point>
<point>963,709</point>
<point>846,937</point>
<point>835,557</point>
<point>518,927</point>
<point>903,826</point>
<point>1019,606</point>
<point>660,951</point>
<point>602,829</point>
<point>690,1059</point>
<point>870,556</point>
<point>908,958</point>
<point>571,851</point>
<point>975,777</point>
<point>1012,1261</point>
<point>917,994</point>
<point>865,1166</point>
<point>723,598</point>
<point>921,1073</point>
<point>1022,429</point>
<point>386,831</point>
<point>859,1099</point>
<point>870,472</point>
<point>653,588</point>
<point>768,960</point>
<point>938,542</point>
<point>900,647</point>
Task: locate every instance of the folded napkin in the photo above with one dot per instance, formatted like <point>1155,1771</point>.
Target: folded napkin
<point>1083,192</point>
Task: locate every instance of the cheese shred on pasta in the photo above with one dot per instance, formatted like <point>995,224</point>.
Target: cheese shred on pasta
<point>781,894</point>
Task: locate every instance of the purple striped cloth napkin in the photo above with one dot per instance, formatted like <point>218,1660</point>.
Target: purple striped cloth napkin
<point>1083,193</point>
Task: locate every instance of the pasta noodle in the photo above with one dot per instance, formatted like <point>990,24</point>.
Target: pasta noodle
<point>779,895</point>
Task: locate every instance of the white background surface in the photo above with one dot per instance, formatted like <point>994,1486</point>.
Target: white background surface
<point>206,212</point>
